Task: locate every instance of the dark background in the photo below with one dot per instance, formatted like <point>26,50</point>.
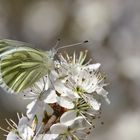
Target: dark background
<point>113,30</point>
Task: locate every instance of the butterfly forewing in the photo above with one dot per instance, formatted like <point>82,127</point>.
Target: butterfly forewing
<point>20,65</point>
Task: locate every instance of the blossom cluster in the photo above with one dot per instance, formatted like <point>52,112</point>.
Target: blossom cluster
<point>64,103</point>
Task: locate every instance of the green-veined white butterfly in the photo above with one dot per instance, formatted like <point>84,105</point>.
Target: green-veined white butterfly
<point>21,65</point>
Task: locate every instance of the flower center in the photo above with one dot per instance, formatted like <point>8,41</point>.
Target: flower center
<point>79,90</point>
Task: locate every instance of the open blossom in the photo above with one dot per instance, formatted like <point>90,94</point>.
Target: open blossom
<point>70,127</point>
<point>25,130</point>
<point>38,94</point>
<point>73,65</point>
<point>64,103</point>
<point>83,109</point>
<point>84,82</point>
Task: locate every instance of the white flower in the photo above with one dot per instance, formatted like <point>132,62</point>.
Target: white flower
<point>40,109</point>
<point>72,65</point>
<point>25,130</point>
<point>83,85</point>
<point>70,127</point>
<point>64,103</point>
<point>86,81</point>
<point>79,80</point>
<point>54,96</point>
<point>70,76</point>
<point>83,109</point>
<point>38,93</point>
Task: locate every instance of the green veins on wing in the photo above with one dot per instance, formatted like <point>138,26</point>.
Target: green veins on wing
<point>21,66</point>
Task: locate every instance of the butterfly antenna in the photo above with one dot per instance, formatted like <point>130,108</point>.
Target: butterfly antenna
<point>57,43</point>
<point>72,45</point>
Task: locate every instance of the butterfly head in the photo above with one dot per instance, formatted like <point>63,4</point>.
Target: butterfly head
<point>51,54</point>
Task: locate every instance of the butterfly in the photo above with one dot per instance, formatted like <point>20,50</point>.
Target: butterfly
<point>21,65</point>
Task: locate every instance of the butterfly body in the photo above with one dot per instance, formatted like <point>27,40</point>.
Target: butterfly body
<point>21,66</point>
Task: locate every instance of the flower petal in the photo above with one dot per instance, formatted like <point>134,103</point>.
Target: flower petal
<point>23,121</point>
<point>93,66</point>
<point>60,88</point>
<point>12,136</point>
<point>70,117</point>
<point>104,93</point>
<point>58,128</point>
<point>96,105</point>
<point>51,97</point>
<point>65,102</point>
<point>31,109</point>
<point>49,110</point>
<point>67,116</point>
<point>47,137</point>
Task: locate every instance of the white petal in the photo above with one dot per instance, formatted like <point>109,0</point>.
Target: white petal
<point>78,123</point>
<point>101,91</point>
<point>74,122</point>
<point>71,94</point>
<point>49,137</point>
<point>70,117</point>
<point>96,105</point>
<point>26,133</point>
<point>31,105</point>
<point>12,136</point>
<point>48,83</point>
<point>65,102</point>
<point>51,97</point>
<point>93,66</point>
<point>23,121</point>
<point>58,128</point>
<point>60,87</point>
<point>67,116</point>
<point>31,109</point>
<point>64,91</point>
<point>48,109</point>
<point>104,93</point>
<point>54,75</point>
<point>38,108</point>
<point>107,100</point>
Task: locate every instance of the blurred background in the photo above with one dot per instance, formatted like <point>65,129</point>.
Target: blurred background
<point>113,30</point>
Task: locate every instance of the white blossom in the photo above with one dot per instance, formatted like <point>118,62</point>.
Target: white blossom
<point>25,130</point>
<point>73,65</point>
<point>70,127</point>
<point>79,80</point>
<point>38,94</point>
<point>64,103</point>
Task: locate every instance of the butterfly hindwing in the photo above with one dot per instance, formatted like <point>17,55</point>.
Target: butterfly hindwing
<point>20,65</point>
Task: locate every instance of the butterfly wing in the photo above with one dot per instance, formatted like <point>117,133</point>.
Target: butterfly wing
<point>7,46</point>
<point>20,65</point>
